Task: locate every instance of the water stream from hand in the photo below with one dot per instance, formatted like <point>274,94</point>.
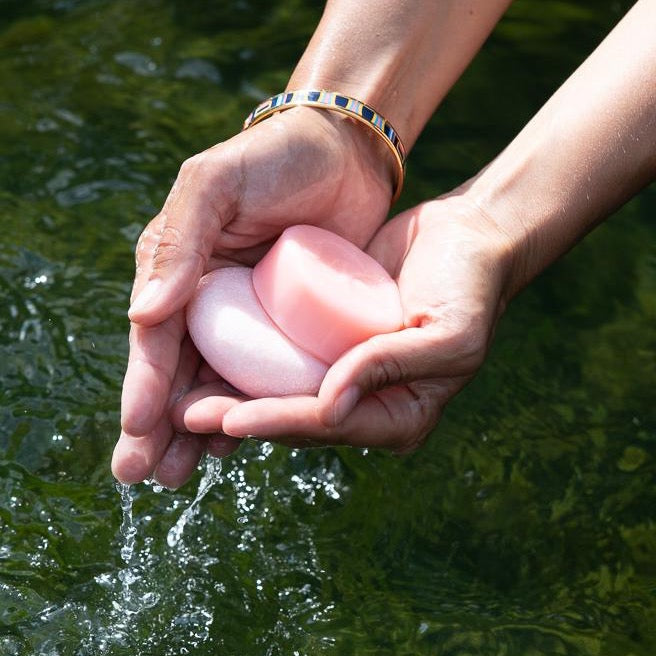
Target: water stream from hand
<point>128,530</point>
<point>211,476</point>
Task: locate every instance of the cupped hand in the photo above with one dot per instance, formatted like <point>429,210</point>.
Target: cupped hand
<point>453,265</point>
<point>227,206</point>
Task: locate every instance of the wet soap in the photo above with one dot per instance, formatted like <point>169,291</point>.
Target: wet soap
<point>275,329</point>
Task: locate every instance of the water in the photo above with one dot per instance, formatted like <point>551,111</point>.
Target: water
<point>128,529</point>
<point>526,524</point>
<point>210,478</point>
<point>131,601</point>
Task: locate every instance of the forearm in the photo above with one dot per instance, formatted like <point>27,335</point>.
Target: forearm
<point>400,56</point>
<point>589,149</point>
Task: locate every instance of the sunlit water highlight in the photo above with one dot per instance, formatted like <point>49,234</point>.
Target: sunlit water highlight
<point>132,599</point>
<point>139,589</point>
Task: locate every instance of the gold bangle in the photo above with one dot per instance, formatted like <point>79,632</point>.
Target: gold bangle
<point>340,103</point>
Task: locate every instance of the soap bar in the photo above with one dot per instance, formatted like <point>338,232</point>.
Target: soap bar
<point>324,293</point>
<point>241,343</point>
<point>274,330</point>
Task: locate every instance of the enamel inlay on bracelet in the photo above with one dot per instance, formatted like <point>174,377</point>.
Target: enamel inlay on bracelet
<point>338,102</point>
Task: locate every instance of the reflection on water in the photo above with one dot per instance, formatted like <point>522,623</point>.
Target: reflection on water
<point>524,527</point>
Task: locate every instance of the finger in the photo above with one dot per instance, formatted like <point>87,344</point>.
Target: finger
<point>180,460</point>
<point>152,365</point>
<point>398,418</point>
<point>202,409</point>
<point>184,453</point>
<point>392,242</point>
<point>206,374</point>
<point>436,351</point>
<point>135,458</point>
<point>143,254</point>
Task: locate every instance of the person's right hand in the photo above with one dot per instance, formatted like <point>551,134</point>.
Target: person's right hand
<point>227,206</point>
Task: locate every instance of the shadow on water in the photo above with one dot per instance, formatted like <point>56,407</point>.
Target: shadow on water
<point>526,524</point>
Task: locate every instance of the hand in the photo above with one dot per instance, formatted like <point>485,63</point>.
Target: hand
<point>228,205</point>
<point>453,265</point>
<point>457,267</point>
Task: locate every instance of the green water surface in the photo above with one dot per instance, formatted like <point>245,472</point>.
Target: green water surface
<point>525,527</point>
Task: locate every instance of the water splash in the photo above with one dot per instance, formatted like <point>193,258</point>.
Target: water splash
<point>129,588</point>
<point>211,476</point>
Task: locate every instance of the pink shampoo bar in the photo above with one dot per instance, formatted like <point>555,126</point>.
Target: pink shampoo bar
<point>324,293</point>
<point>275,329</point>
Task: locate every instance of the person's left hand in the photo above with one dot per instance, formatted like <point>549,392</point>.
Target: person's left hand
<point>453,265</point>
<point>227,206</point>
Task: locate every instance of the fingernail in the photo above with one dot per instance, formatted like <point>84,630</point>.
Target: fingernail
<point>146,297</point>
<point>345,403</point>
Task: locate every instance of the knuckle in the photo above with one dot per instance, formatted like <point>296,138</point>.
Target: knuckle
<point>412,439</point>
<point>474,348</point>
<point>385,370</point>
<point>147,242</point>
<point>468,341</point>
<point>199,172</point>
<point>170,247</point>
<point>191,165</point>
<point>423,416</point>
<point>411,443</point>
<point>176,246</point>
<point>191,175</point>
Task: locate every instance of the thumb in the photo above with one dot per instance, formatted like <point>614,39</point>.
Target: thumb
<point>174,269</point>
<point>410,355</point>
<point>173,251</point>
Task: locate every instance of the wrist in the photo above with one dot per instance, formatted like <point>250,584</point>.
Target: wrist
<point>371,152</point>
<point>351,108</point>
<point>566,171</point>
<point>470,240</point>
<point>499,197</point>
<point>356,147</point>
<point>538,202</point>
<point>399,57</point>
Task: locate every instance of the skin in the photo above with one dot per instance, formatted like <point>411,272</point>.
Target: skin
<point>458,261</point>
<point>449,316</point>
<point>402,58</point>
<point>230,202</point>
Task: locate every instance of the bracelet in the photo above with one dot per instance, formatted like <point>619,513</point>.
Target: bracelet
<point>340,103</point>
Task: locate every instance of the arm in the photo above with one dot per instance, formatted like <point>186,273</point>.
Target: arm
<point>590,148</point>
<point>401,57</point>
<point>460,259</point>
<point>301,166</point>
